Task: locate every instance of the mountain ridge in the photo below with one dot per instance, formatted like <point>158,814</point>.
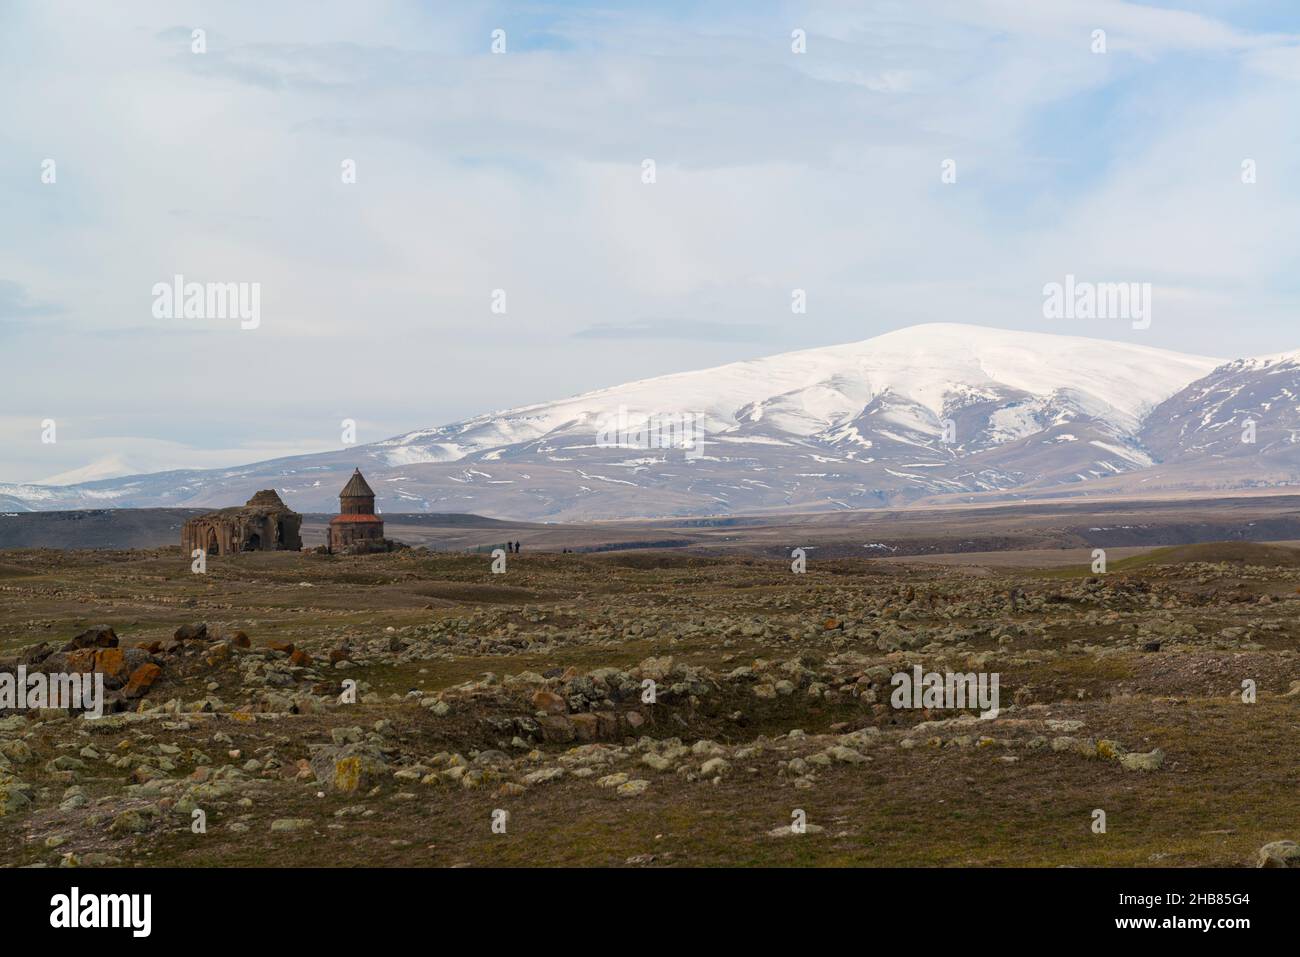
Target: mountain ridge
<point>935,410</point>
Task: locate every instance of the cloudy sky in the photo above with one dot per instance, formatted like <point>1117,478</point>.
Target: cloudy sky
<point>523,171</point>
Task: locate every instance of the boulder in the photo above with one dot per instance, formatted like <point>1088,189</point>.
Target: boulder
<point>586,727</point>
<point>141,680</point>
<point>111,663</point>
<point>347,769</point>
<point>656,761</point>
<point>35,654</point>
<point>549,702</point>
<point>13,795</point>
<point>1150,761</point>
<point>79,660</point>
<point>607,724</point>
<point>290,824</point>
<point>714,767</point>
<point>129,822</point>
<point>101,636</point>
<point>657,669</point>
<point>1279,854</point>
<point>556,727</point>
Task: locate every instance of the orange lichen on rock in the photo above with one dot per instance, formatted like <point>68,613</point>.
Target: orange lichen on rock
<point>142,680</point>
<point>111,662</point>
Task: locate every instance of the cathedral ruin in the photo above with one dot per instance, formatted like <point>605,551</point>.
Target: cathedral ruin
<point>264,524</point>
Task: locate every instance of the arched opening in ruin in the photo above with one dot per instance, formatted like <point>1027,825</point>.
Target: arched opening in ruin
<point>212,546</point>
<point>254,543</point>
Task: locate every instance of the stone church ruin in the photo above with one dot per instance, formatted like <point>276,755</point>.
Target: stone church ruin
<point>264,524</point>
<point>357,530</point>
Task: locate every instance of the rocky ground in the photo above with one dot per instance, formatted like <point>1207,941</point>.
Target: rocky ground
<point>416,709</point>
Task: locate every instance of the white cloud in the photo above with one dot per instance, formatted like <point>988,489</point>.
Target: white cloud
<point>521,172</point>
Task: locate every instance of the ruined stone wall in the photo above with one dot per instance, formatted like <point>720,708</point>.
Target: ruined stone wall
<point>243,532</point>
<point>290,531</point>
<point>347,535</point>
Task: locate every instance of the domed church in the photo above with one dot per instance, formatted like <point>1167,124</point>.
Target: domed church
<point>357,529</point>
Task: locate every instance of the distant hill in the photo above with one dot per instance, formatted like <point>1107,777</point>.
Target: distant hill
<point>96,528</point>
<point>1234,553</point>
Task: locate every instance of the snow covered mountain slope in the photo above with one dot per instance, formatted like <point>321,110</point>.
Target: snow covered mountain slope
<point>1235,429</point>
<point>1241,409</point>
<point>914,376</point>
<point>922,411</point>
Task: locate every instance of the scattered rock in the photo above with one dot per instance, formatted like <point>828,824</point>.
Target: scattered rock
<point>1150,761</point>
<point>290,824</point>
<point>142,679</point>
<point>1278,854</point>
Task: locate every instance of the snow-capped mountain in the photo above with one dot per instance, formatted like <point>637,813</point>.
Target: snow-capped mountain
<point>1238,427</point>
<point>930,410</point>
<point>1244,408</point>
<point>910,379</point>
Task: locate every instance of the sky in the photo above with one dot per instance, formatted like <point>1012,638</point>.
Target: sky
<point>524,172</point>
